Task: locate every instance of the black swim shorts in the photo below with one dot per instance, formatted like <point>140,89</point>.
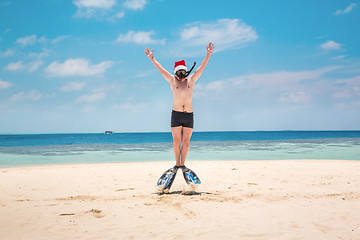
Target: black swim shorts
<point>184,119</point>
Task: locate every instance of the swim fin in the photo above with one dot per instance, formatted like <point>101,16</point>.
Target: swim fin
<point>190,176</point>
<point>168,177</point>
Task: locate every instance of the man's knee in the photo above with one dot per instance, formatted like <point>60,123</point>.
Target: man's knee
<point>177,141</point>
<point>186,142</point>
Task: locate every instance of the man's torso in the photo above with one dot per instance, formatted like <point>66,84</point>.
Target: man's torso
<point>182,94</point>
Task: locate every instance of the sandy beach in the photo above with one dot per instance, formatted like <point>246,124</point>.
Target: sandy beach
<point>288,199</point>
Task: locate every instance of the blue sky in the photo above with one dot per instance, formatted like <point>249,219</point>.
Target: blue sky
<point>79,66</point>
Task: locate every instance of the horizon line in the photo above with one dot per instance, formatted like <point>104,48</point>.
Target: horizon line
<point>114,132</point>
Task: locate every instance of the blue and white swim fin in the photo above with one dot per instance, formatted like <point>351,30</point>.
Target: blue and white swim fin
<point>190,176</point>
<point>167,179</point>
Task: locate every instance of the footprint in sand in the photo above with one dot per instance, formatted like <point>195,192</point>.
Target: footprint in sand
<point>96,213</point>
<point>67,214</point>
<point>124,189</point>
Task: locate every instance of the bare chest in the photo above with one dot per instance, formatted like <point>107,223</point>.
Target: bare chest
<point>182,88</point>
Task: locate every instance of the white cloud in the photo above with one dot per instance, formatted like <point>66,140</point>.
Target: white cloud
<point>296,97</point>
<point>7,53</point>
<point>341,106</point>
<point>210,88</point>
<point>60,38</point>
<point>342,94</point>
<point>95,3</point>
<point>339,57</point>
<point>29,66</point>
<point>344,106</point>
<point>140,37</point>
<point>143,74</point>
<point>132,107</point>
<point>33,96</point>
<point>106,9</point>
<point>73,86</point>
<point>5,84</point>
<point>285,78</point>
<point>88,108</point>
<point>356,90</point>
<point>331,45</point>
<point>297,86</point>
<point>120,15</point>
<point>353,81</point>
<point>42,40</point>
<point>33,66</point>
<point>33,39</point>
<point>44,53</point>
<point>346,10</point>
<point>92,98</point>
<point>16,66</point>
<point>215,86</point>
<point>77,67</point>
<point>135,4</point>
<point>356,103</point>
<point>20,66</point>
<point>348,87</point>
<point>225,33</point>
<point>25,41</point>
<point>94,8</point>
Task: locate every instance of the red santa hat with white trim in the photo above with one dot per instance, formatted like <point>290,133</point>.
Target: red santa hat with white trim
<point>180,65</point>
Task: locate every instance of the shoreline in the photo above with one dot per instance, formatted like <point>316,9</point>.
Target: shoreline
<point>255,199</point>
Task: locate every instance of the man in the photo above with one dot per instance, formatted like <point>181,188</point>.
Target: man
<point>182,117</point>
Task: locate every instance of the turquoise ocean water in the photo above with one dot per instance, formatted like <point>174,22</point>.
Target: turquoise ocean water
<point>35,149</point>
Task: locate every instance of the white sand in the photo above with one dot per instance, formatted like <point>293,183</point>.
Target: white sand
<point>304,199</point>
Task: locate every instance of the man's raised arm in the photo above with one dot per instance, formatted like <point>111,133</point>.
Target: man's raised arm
<point>195,76</point>
<point>168,77</point>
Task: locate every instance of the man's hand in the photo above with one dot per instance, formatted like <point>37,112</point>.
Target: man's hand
<point>168,77</point>
<point>148,53</point>
<point>210,48</point>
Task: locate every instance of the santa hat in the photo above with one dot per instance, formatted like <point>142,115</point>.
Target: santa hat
<point>180,65</point>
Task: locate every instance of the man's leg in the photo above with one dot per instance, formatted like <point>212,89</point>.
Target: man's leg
<point>176,133</point>
<point>186,135</point>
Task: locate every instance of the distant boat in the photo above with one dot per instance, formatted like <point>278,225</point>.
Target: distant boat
<point>108,132</point>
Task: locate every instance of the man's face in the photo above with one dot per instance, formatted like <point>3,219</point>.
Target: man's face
<point>181,74</point>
